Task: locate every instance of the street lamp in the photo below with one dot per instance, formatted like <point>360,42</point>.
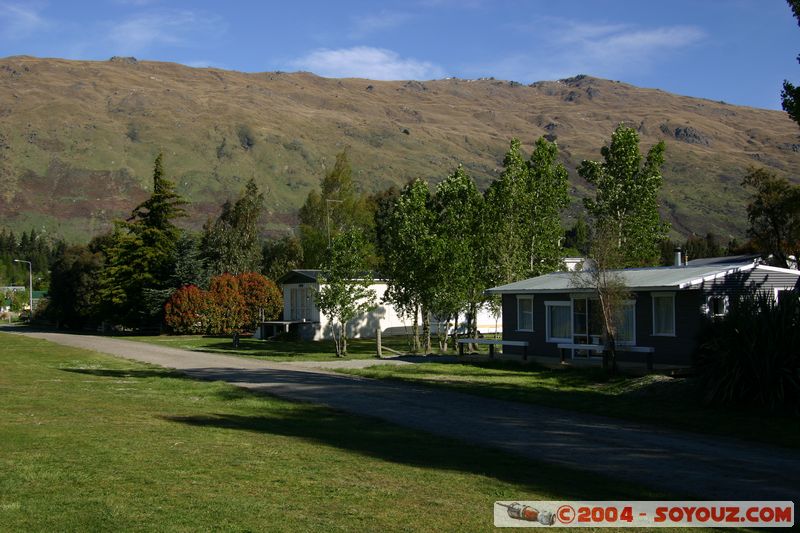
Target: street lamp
<point>30,286</point>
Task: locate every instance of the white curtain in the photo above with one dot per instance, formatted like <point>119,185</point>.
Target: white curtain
<point>525,318</point>
<point>560,322</point>
<point>663,315</point>
<point>625,332</point>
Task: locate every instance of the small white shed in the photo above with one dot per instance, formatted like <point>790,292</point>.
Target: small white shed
<point>301,313</point>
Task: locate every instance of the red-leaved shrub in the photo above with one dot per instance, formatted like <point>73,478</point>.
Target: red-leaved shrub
<point>232,303</point>
<point>262,298</point>
<point>188,310</point>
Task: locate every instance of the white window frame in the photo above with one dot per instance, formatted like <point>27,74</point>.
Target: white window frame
<point>547,306</point>
<point>520,298</point>
<point>725,305</point>
<point>653,298</point>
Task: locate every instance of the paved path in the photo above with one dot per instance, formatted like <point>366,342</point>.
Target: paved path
<point>686,464</point>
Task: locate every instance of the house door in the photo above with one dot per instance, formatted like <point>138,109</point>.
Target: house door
<point>300,304</point>
<point>587,326</point>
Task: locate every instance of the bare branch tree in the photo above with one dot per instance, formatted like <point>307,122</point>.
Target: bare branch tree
<point>601,275</point>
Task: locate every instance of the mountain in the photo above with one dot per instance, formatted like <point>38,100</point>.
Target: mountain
<point>78,138</point>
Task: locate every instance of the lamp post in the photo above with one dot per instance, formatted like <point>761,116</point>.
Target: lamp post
<point>30,286</point>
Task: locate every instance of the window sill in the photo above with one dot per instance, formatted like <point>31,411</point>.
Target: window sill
<point>553,340</point>
<point>663,335</point>
<point>523,331</point>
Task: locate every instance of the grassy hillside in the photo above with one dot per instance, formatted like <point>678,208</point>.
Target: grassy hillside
<point>78,138</point>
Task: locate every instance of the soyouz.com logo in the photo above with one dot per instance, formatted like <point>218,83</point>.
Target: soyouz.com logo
<point>644,514</point>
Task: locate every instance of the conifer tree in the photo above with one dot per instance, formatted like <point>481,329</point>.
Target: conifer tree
<point>140,255</point>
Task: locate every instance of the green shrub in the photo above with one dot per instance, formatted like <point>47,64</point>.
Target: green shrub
<point>750,357</point>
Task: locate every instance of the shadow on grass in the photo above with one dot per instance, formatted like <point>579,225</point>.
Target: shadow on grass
<point>431,358</point>
<point>569,377</point>
<point>263,348</point>
<point>144,374</point>
<point>391,443</point>
<point>675,403</point>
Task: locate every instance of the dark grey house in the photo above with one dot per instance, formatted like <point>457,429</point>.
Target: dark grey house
<point>662,318</point>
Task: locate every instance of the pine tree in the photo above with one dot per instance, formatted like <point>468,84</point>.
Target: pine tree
<point>141,254</point>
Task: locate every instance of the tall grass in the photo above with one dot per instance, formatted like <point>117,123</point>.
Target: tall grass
<point>751,357</point>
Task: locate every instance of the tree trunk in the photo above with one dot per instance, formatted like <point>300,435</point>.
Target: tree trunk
<point>612,352</point>
<point>444,332</point>
<point>455,330</point>
<point>610,329</point>
<point>343,337</point>
<point>426,329</point>
<point>336,341</point>
<point>472,324</point>
<point>416,329</point>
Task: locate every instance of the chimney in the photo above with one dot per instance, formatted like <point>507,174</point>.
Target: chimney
<point>678,258</point>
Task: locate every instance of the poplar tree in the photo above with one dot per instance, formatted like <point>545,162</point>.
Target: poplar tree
<point>345,291</point>
<point>547,196</point>
<point>625,206</point>
<point>523,214</point>
<point>505,220</point>
<point>409,246</point>
<point>457,211</point>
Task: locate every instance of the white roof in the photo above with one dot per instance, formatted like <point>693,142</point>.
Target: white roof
<point>651,278</point>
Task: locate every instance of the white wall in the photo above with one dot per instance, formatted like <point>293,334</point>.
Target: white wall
<point>384,316</point>
<point>364,326</point>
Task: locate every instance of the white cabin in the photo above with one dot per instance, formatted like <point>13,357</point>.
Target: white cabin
<point>300,312</point>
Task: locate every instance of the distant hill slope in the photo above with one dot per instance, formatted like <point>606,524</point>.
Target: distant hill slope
<point>78,138</point>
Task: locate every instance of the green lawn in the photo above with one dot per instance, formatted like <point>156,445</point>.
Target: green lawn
<point>94,443</point>
<point>276,350</point>
<point>658,400</point>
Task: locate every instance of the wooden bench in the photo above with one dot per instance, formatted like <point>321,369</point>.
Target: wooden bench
<point>599,348</point>
<point>492,344</point>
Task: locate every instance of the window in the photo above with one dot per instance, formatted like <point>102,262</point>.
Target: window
<point>626,326</point>
<point>784,294</point>
<point>524,313</point>
<point>559,321</point>
<point>717,306</point>
<point>664,314</point>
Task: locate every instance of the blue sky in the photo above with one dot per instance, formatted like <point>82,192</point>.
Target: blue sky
<point>738,51</point>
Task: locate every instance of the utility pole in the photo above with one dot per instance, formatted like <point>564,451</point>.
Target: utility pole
<point>30,286</point>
